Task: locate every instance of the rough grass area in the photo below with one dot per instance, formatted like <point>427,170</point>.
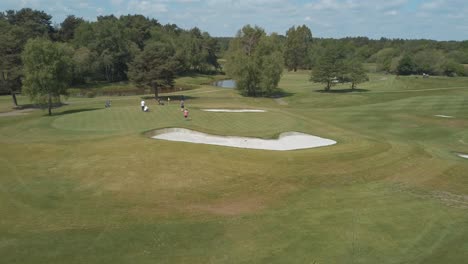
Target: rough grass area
<point>87,185</point>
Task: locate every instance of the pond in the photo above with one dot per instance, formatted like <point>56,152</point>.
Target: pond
<point>225,84</point>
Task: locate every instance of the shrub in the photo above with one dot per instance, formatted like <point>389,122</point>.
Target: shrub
<point>406,66</point>
<point>120,90</point>
<point>453,69</point>
<point>74,92</point>
<point>90,94</point>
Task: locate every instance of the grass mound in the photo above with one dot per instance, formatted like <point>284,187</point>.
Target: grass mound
<point>87,185</point>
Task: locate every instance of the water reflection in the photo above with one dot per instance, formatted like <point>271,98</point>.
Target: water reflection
<point>225,84</point>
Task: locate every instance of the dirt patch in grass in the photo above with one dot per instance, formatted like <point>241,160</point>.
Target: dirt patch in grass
<point>17,112</point>
<point>281,101</point>
<point>246,202</point>
<point>235,110</point>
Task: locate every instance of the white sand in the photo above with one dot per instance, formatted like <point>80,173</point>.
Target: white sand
<point>444,116</point>
<point>463,156</point>
<point>286,141</point>
<point>235,110</point>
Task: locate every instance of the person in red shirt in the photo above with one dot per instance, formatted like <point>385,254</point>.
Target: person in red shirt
<point>185,113</point>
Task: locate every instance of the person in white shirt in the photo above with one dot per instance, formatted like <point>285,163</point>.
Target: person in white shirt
<point>142,105</point>
<point>146,108</point>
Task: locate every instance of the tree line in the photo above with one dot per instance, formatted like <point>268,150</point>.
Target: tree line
<point>333,61</point>
<point>41,58</point>
<point>425,56</point>
<point>109,49</point>
<point>256,61</point>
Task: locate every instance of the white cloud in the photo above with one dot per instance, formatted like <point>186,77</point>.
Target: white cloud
<point>83,4</point>
<point>29,3</point>
<point>326,18</point>
<point>186,1</point>
<point>116,2</point>
<point>147,7</point>
<point>431,5</point>
<point>394,4</point>
<point>325,4</point>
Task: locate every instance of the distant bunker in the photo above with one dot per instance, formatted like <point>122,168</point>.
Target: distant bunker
<point>444,116</point>
<point>285,141</point>
<point>235,110</point>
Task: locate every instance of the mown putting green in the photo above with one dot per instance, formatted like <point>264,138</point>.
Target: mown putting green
<point>88,185</point>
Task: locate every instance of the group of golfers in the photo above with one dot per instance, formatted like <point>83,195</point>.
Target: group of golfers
<point>145,107</point>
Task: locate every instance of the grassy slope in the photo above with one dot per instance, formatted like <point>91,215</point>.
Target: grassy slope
<point>86,186</point>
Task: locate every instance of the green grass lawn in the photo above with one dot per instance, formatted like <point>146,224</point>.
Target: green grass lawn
<point>87,185</point>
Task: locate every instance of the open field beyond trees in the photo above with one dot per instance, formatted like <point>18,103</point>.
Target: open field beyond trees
<point>87,184</point>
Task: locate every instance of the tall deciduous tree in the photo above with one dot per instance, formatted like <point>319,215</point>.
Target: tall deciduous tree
<point>255,61</point>
<point>67,28</point>
<point>330,67</point>
<point>34,22</point>
<point>47,70</point>
<point>16,27</point>
<point>154,67</point>
<point>137,28</point>
<point>297,48</point>
<point>355,72</point>
<point>196,51</point>
<point>84,65</point>
<point>107,39</point>
<point>383,58</point>
<point>453,69</point>
<point>405,66</point>
<point>10,64</point>
<point>428,61</point>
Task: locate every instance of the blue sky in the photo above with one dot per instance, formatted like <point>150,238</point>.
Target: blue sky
<point>430,19</point>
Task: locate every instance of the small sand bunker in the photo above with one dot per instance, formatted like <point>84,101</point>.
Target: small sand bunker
<point>235,110</point>
<point>444,116</point>
<point>465,156</point>
<point>286,141</point>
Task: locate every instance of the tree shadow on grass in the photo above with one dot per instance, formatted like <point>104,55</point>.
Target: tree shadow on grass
<point>280,93</point>
<point>37,106</point>
<point>74,111</point>
<point>338,91</point>
<point>172,97</point>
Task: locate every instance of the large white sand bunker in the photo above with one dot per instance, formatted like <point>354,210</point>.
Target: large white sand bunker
<point>465,156</point>
<point>235,110</point>
<point>286,141</point>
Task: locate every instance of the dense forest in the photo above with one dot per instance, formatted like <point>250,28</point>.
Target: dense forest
<point>113,49</point>
<point>425,56</point>
<point>102,50</point>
